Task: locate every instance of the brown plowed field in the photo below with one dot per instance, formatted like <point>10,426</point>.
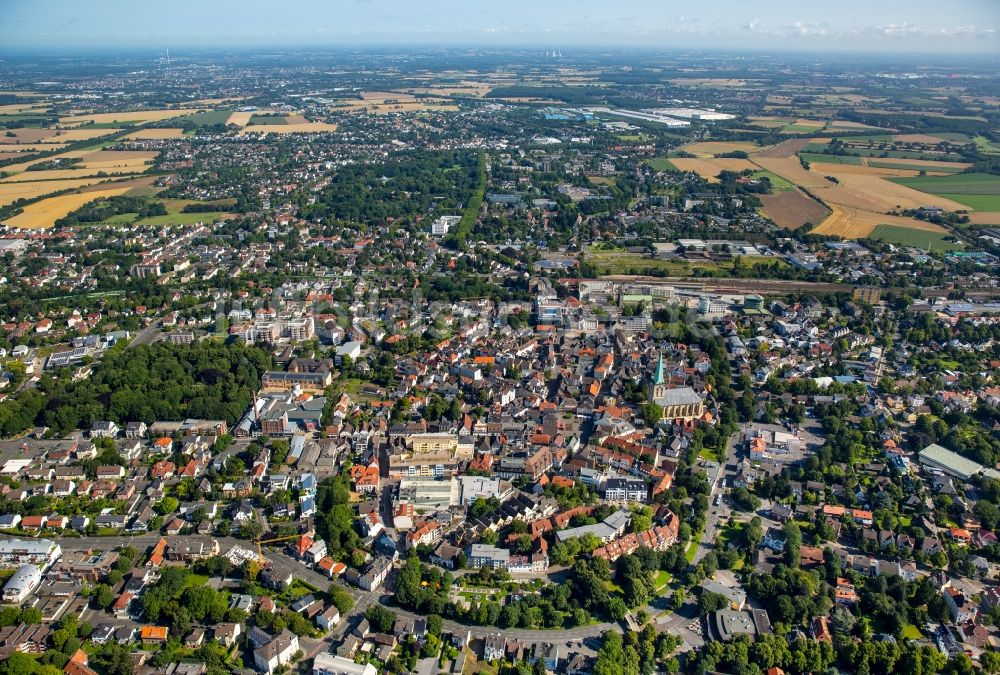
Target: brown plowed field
<point>792,209</point>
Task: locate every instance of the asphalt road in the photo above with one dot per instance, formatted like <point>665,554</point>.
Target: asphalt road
<point>708,535</point>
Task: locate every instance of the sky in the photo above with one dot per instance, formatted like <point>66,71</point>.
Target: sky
<point>905,26</point>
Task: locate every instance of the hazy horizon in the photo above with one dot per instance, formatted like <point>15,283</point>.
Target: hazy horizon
<point>891,26</point>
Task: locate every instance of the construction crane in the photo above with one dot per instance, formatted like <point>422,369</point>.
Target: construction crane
<point>259,542</point>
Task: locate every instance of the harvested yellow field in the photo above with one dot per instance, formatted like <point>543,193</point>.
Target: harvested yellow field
<point>928,163</point>
<point>476,90</point>
<point>240,118</point>
<point>155,134</point>
<point>710,168</point>
<point>923,139</point>
<point>852,223</point>
<point>307,128</point>
<point>46,212</point>
<point>11,192</point>
<point>872,193</point>
<point>828,169</point>
<point>31,147</point>
<point>21,108</point>
<point>791,169</point>
<point>60,174</point>
<point>137,165</point>
<point>843,124</point>
<point>92,161</point>
<point>26,136</point>
<point>73,135</point>
<point>985,218</point>
<point>132,116</point>
<point>709,149</point>
<point>385,102</point>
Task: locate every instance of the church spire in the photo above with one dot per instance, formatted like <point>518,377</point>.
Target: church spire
<point>658,375</point>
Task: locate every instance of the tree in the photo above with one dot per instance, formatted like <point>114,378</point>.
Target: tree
<point>380,618</point>
<point>166,505</point>
<point>793,543</point>
<point>617,608</point>
<point>709,602</point>
<point>341,599</point>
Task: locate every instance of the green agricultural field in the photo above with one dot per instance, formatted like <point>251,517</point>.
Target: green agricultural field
<point>977,202</point>
<point>268,119</point>
<point>953,137</point>
<point>802,128</point>
<point>905,236</point>
<point>830,159</point>
<point>205,119</point>
<point>957,184</point>
<point>778,184</point>
<point>661,164</point>
<point>915,167</point>
<point>985,145</point>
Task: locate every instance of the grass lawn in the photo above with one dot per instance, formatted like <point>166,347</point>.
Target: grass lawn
<point>778,184</point>
<point>709,454</point>
<point>692,548</point>
<point>476,667</point>
<point>661,164</point>
<point>912,632</point>
<point>195,580</point>
<point>904,236</point>
<point>662,579</point>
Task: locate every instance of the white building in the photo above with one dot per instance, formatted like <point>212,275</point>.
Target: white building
<point>440,227</point>
<point>331,664</point>
<point>277,652</point>
<point>35,552</point>
<point>25,580</point>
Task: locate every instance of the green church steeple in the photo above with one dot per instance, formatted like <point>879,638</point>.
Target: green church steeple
<point>658,375</point>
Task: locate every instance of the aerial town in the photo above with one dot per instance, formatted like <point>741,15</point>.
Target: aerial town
<point>498,362</point>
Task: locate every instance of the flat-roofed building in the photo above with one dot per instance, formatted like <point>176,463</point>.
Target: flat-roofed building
<point>942,459</point>
<point>14,552</point>
<point>331,664</point>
